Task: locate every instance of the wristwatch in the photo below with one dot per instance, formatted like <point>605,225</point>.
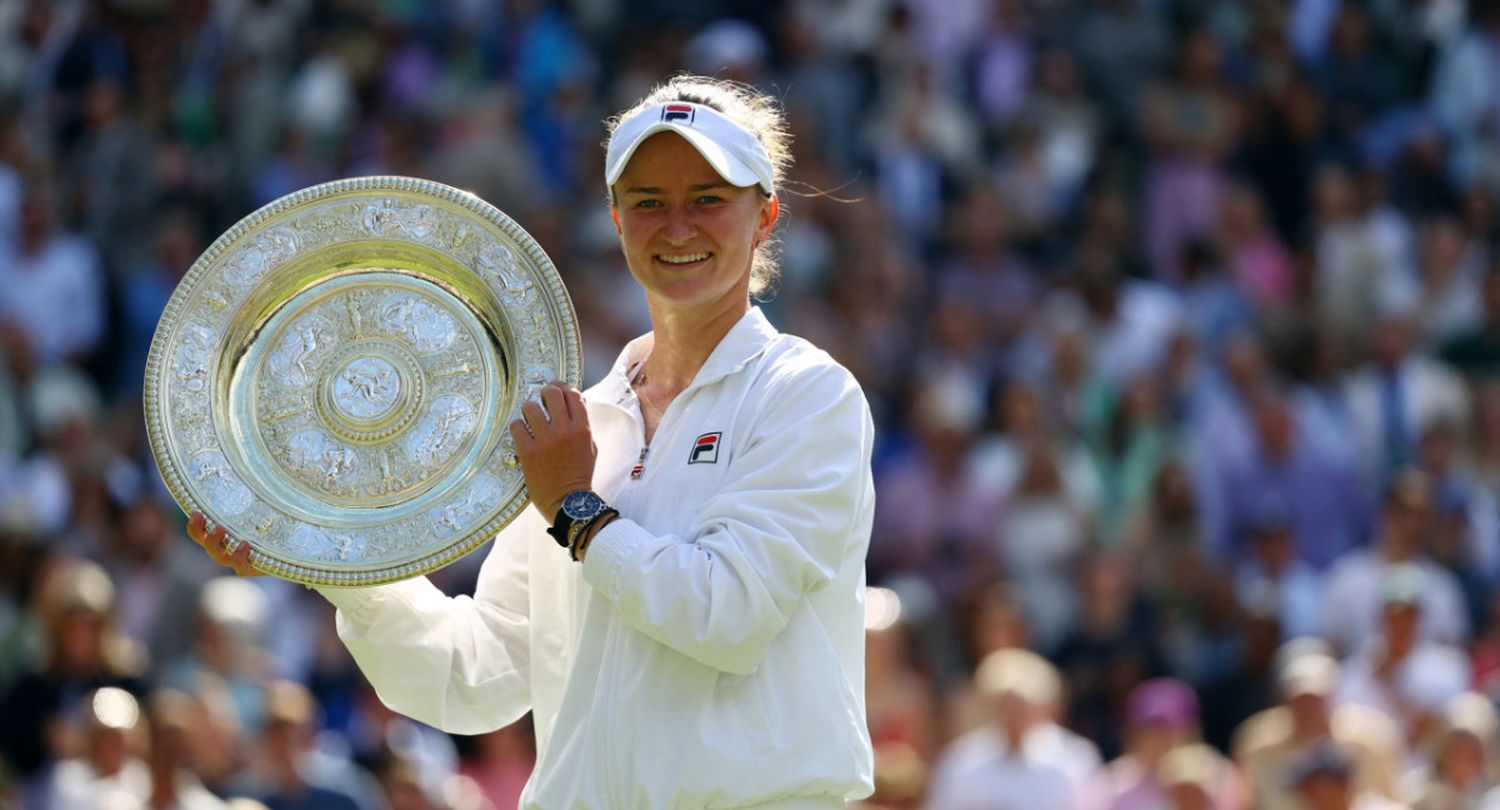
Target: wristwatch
<point>578,508</point>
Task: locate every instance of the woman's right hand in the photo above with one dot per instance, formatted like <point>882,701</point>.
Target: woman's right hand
<point>215,543</point>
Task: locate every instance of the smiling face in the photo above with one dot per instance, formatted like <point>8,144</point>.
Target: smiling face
<point>688,235</point>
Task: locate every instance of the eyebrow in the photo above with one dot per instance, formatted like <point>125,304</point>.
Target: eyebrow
<point>697,187</point>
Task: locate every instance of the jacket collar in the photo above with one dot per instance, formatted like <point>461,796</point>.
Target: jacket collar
<point>745,341</point>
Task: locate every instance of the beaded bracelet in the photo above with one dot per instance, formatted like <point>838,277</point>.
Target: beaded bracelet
<point>587,531</point>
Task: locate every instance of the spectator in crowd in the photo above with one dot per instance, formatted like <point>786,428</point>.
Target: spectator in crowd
<point>1047,492</point>
<point>1361,256</point>
<point>219,745</point>
<point>1475,348</point>
<point>1354,585</point>
<point>1269,745</point>
<point>1130,436</point>
<point>1484,450</point>
<point>1193,776</point>
<point>1321,497</point>
<point>172,717</point>
<point>1405,677</point>
<point>1275,574</point>
<point>1120,44</point>
<point>282,776</point>
<point>931,508</point>
<point>1484,650</point>
<point>110,772</point>
<point>1396,394</point>
<point>1466,533</point>
<point>1462,769</point>
<point>992,620</point>
<point>503,761</point>
<point>1161,717</point>
<point>1255,257</point>
<point>85,651</point>
<point>53,309</point>
<point>1449,269</point>
<point>1020,755</point>
<point>1323,778</point>
<point>1109,651</point>
<point>227,652</point>
<point>146,558</point>
<point>900,779</point>
<point>1191,123</point>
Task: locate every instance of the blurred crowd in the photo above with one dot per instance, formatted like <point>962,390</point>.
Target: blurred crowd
<point>1180,320</point>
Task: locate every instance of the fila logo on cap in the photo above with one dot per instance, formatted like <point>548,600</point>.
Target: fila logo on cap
<point>705,449</point>
<point>678,114</point>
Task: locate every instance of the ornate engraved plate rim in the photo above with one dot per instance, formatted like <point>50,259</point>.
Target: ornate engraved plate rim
<point>541,271</point>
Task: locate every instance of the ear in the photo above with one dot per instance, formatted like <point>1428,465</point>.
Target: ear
<point>770,211</point>
<point>614,214</point>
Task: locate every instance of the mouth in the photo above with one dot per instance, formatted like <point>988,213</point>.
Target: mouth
<point>682,259</point>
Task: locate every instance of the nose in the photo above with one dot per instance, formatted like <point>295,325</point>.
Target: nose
<point>679,227</point>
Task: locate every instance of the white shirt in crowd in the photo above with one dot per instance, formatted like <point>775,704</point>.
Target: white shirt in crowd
<point>56,297</point>
<point>710,650</point>
<point>1053,770</point>
<point>1353,590</point>
<point>1427,681</point>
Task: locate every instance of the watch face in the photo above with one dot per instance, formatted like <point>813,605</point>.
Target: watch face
<point>581,505</point>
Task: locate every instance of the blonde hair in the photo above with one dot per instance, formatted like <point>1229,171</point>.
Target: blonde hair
<point>757,112</point>
<point>1019,672</point>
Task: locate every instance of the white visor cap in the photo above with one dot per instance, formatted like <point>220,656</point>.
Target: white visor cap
<point>733,151</point>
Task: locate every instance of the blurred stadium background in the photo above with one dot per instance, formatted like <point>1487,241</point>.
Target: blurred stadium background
<point>1180,318</point>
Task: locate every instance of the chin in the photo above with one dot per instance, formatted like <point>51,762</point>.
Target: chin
<point>692,296</point>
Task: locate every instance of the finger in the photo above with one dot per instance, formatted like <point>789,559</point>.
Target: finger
<point>241,561</point>
<point>197,526</point>
<point>555,400</point>
<point>576,406</point>
<point>536,418</point>
<point>570,398</point>
<point>214,542</point>
<point>525,442</point>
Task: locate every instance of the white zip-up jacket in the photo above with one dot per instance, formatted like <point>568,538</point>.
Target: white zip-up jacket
<point>709,652</point>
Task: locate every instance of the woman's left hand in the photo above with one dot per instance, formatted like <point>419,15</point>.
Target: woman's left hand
<point>556,448</point>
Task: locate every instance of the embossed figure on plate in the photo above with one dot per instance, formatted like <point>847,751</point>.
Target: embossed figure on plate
<point>225,490</point>
<point>453,516</point>
<point>438,435</point>
<point>297,355</point>
<point>428,328</point>
<point>194,354</point>
<point>320,460</point>
<point>366,388</point>
<point>326,544</point>
<point>255,260</point>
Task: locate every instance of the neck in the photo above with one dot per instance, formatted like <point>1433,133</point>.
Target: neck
<point>1015,737</point>
<point>682,341</point>
<point>1309,728</point>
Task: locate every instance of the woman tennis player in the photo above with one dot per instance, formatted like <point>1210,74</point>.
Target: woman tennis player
<point>682,610</point>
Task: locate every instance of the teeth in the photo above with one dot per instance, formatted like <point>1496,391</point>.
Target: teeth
<point>686,258</point>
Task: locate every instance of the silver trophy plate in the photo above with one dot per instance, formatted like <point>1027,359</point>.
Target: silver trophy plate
<point>334,378</point>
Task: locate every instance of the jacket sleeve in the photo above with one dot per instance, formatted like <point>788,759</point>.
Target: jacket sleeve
<point>783,525</point>
<point>461,664</point>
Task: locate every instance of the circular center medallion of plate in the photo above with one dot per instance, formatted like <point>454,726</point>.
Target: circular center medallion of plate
<point>369,391</point>
<point>366,388</point>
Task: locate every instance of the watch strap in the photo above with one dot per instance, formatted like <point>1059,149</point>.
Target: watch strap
<point>564,528</point>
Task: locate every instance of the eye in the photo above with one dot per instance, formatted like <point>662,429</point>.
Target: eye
<point>710,199</point>
<point>648,203</point>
